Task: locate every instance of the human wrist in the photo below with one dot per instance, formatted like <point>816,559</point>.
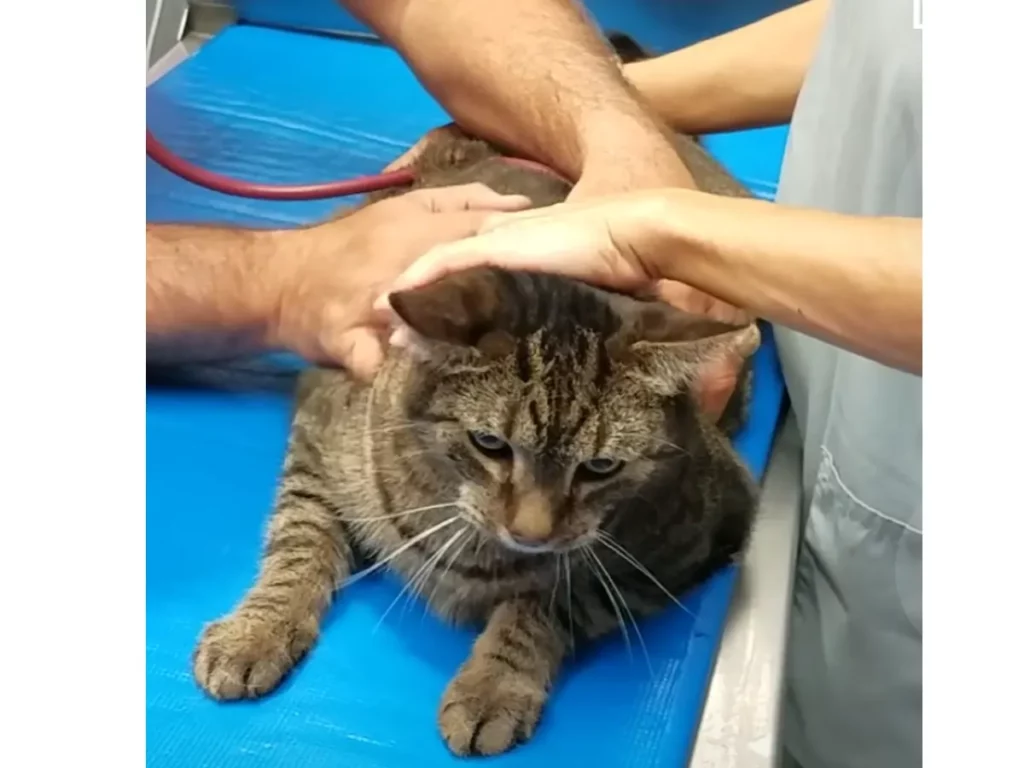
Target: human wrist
<point>647,77</point>
<point>677,243</point>
<point>279,297</point>
<point>632,152</point>
<point>312,278</point>
<point>714,243</point>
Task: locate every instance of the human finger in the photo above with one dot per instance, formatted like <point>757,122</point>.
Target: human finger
<point>446,228</point>
<point>592,209</point>
<point>528,247</point>
<point>545,246</point>
<point>502,219</point>
<point>439,262</point>
<point>359,350</point>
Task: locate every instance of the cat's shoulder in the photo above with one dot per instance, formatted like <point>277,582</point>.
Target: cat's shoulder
<point>319,388</point>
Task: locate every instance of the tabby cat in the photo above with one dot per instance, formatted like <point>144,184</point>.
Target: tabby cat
<point>548,460</point>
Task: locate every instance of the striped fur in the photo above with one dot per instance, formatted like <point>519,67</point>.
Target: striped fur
<point>388,473</point>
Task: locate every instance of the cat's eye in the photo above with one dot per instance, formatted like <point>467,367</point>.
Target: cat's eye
<point>599,468</point>
<point>489,444</point>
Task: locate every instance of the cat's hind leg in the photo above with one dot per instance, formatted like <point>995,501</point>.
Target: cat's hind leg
<point>305,559</point>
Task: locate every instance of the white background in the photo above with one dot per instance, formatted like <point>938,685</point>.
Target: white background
<point>72,392</point>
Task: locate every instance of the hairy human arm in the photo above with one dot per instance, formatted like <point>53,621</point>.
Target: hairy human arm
<point>210,291</point>
<point>216,292</point>
<point>536,77</point>
<point>854,281</point>
<point>746,78</point>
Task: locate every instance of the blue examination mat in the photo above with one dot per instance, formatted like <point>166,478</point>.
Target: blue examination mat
<point>278,106</point>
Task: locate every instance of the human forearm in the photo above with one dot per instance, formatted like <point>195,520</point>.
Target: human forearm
<point>215,292</point>
<point>555,95</point>
<point>743,79</point>
<point>854,281</point>
<point>209,290</point>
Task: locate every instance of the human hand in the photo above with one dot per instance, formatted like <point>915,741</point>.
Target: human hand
<point>328,275</point>
<point>612,242</point>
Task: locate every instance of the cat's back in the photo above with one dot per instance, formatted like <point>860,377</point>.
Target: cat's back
<point>320,392</point>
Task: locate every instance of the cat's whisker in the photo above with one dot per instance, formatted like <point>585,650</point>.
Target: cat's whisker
<point>606,538</point>
<point>454,556</point>
<point>417,584</point>
<point>415,577</point>
<point>625,607</point>
<point>404,513</point>
<point>392,555</point>
<point>670,444</point>
<point>419,580</point>
<point>568,596</point>
<point>554,589</point>
<point>589,557</point>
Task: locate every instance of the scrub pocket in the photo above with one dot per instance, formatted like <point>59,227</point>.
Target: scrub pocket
<point>854,674</point>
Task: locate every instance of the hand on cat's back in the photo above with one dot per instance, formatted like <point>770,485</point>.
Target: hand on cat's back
<point>327,276</point>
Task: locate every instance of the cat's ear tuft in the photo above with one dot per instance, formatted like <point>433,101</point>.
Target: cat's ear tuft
<point>673,352</point>
<point>463,309</point>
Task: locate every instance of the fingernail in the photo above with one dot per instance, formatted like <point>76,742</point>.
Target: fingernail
<point>382,303</point>
<point>399,337</point>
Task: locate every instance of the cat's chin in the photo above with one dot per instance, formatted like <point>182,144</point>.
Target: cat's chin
<point>526,549</point>
<point>545,548</point>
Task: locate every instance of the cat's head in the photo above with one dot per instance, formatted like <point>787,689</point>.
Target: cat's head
<point>549,401</point>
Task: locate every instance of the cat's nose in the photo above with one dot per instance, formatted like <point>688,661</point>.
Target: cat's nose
<point>532,520</point>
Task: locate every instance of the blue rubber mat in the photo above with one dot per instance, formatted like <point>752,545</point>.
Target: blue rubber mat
<point>281,107</point>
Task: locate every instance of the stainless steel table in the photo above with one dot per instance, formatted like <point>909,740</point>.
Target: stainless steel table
<point>740,727</point>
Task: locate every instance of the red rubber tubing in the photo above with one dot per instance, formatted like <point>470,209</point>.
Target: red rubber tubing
<point>162,156</point>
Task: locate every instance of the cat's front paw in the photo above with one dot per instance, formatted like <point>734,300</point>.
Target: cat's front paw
<point>241,657</point>
<point>487,710</point>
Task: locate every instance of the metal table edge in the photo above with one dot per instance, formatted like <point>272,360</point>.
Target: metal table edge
<point>741,722</point>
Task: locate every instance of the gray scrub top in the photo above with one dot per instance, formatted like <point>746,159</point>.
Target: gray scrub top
<point>854,662</point>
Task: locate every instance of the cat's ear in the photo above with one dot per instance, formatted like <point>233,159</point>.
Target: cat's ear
<point>463,310</point>
<point>673,352</point>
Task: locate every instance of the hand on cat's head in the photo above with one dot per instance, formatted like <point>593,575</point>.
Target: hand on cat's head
<point>609,242</point>
<point>327,276</point>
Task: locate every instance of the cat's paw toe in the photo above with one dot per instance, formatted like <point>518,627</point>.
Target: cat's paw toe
<point>239,658</point>
<point>490,715</point>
